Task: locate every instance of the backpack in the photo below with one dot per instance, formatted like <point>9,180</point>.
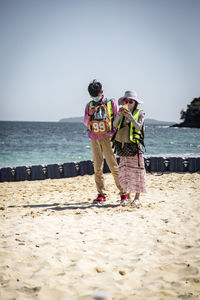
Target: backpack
<point>101,121</point>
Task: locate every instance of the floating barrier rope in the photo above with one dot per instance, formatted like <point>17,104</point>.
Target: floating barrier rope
<point>54,171</point>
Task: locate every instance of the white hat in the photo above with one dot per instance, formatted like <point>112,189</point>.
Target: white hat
<point>131,95</point>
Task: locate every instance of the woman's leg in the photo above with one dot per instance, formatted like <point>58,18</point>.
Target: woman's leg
<point>129,196</point>
<point>137,196</point>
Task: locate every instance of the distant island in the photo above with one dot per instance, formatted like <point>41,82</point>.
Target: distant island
<point>72,120</point>
<point>147,121</point>
<point>190,117</point>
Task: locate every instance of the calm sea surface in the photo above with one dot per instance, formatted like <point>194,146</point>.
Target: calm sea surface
<point>32,143</point>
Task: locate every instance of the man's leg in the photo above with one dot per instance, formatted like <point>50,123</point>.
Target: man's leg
<point>111,161</point>
<point>97,155</point>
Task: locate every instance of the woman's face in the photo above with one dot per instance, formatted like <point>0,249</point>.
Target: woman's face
<point>131,103</point>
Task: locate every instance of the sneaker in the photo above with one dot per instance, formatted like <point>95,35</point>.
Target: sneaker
<point>135,203</point>
<point>124,199</point>
<point>100,198</point>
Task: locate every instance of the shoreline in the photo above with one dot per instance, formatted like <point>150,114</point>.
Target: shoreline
<point>55,244</point>
<point>184,155</point>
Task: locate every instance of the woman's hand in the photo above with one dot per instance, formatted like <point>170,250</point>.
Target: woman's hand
<point>124,111</point>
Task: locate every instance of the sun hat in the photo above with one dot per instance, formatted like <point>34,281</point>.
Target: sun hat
<point>131,95</point>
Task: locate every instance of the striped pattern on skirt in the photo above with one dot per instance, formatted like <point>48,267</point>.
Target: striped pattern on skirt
<point>131,176</point>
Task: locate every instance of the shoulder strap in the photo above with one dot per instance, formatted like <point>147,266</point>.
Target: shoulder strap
<point>110,109</point>
<point>93,103</point>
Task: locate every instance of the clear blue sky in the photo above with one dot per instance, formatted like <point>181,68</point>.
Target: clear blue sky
<point>50,51</point>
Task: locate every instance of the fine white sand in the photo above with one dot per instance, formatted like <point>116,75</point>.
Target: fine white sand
<point>56,245</point>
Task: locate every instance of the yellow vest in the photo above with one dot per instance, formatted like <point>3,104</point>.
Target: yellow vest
<point>136,136</point>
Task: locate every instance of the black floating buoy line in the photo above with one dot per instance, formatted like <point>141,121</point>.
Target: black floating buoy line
<point>157,165</point>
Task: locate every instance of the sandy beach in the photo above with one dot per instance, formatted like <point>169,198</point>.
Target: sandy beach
<point>56,245</point>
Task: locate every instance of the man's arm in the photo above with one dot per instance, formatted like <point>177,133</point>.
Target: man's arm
<point>89,111</point>
<point>86,116</point>
<point>114,107</point>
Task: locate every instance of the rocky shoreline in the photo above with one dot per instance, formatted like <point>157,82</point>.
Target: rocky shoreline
<point>188,125</point>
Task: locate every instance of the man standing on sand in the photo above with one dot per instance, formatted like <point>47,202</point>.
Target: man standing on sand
<point>99,115</point>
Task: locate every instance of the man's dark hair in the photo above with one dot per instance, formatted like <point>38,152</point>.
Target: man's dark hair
<point>94,88</point>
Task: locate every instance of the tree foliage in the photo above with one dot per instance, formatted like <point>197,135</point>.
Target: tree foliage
<point>191,117</point>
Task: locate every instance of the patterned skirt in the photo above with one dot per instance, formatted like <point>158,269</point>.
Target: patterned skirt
<point>131,176</point>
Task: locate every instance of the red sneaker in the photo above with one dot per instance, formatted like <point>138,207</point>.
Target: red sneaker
<point>100,198</point>
<point>124,199</point>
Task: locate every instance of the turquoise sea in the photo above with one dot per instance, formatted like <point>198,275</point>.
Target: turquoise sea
<point>33,143</point>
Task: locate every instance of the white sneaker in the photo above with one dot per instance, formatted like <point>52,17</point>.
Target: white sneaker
<point>135,203</point>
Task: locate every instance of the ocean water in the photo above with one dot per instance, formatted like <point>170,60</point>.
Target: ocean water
<point>33,143</point>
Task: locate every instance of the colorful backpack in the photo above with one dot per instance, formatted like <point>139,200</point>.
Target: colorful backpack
<point>101,121</point>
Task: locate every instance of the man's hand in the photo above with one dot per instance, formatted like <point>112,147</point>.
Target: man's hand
<point>91,110</point>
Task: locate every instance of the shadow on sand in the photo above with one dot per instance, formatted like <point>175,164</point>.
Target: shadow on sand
<point>67,206</point>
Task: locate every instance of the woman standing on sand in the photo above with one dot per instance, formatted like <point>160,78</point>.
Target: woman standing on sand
<point>128,143</point>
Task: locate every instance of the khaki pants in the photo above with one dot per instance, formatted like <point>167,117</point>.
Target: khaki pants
<point>99,148</point>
